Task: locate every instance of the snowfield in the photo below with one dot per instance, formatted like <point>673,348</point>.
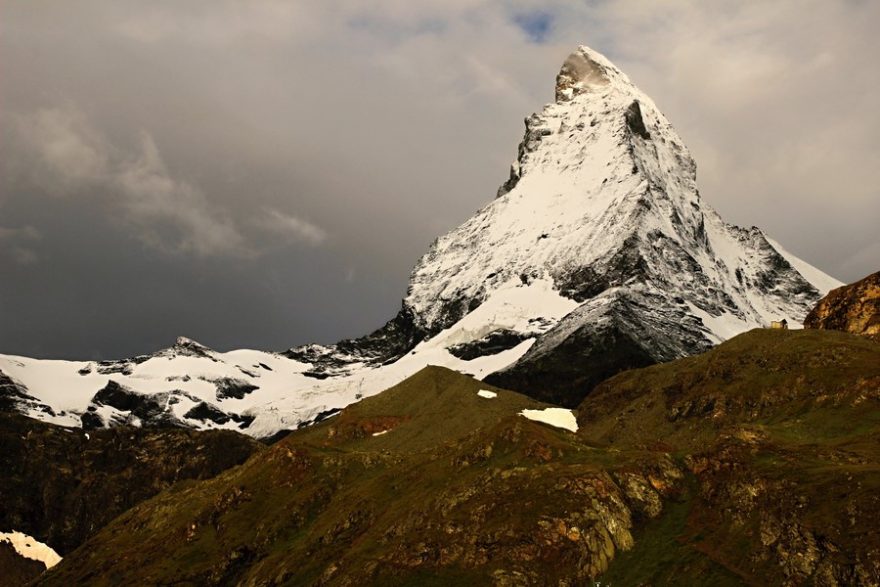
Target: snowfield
<point>31,548</point>
<point>284,396</point>
<point>558,417</point>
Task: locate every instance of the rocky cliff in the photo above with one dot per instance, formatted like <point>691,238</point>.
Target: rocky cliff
<point>779,435</point>
<point>62,485</point>
<point>852,308</point>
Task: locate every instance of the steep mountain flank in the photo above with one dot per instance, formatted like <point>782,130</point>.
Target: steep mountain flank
<point>852,308</point>
<point>62,485</point>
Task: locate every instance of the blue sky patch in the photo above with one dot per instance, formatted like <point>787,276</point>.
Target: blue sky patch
<point>537,25</point>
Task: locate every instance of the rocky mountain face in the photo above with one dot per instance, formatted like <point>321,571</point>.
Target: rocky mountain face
<point>852,308</point>
<point>16,570</point>
<point>740,466</point>
<point>61,485</point>
<point>597,255</point>
<point>602,202</point>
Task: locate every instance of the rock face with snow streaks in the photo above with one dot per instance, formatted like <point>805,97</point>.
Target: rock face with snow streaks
<point>597,255</point>
<point>602,202</point>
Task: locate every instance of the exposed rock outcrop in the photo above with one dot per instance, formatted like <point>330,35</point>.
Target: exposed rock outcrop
<point>778,432</point>
<point>852,308</point>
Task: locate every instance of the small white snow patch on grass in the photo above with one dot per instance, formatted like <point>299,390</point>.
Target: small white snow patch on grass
<point>559,417</point>
<point>487,394</point>
<point>381,432</point>
<point>31,548</point>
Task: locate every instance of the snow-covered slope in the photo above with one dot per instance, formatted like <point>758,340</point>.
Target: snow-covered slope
<point>598,254</point>
<point>254,391</point>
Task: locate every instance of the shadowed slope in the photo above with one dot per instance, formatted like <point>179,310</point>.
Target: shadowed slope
<point>61,485</point>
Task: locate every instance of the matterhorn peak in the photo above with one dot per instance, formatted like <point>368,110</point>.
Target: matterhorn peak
<point>586,70</point>
<point>597,255</point>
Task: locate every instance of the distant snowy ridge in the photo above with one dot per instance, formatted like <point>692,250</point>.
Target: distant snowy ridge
<point>253,391</point>
<point>598,254</point>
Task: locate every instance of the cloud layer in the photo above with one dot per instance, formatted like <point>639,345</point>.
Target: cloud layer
<point>70,158</point>
<point>290,161</point>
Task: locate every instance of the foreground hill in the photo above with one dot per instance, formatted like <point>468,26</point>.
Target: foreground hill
<point>427,483</point>
<point>756,463</point>
<point>780,432</point>
<point>597,255</point>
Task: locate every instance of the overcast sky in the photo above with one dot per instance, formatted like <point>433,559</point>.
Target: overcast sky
<point>265,173</point>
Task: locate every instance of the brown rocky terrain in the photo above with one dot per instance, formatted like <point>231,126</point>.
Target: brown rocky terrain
<point>780,433</point>
<point>852,308</point>
<point>16,570</point>
<point>425,484</point>
<point>62,485</point>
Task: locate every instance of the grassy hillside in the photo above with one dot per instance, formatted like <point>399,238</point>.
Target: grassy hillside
<point>756,463</point>
<point>780,431</point>
<point>461,490</point>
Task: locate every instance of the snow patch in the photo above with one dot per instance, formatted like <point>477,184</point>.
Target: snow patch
<point>722,327</point>
<point>558,417</point>
<point>380,433</point>
<point>487,394</point>
<point>31,548</point>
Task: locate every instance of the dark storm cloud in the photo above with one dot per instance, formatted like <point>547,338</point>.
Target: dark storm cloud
<point>265,173</point>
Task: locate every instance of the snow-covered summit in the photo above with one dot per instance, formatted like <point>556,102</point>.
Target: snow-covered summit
<point>586,70</point>
<point>603,194</point>
<point>598,254</point>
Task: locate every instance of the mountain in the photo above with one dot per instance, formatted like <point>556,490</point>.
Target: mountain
<point>755,463</point>
<point>597,255</point>
<point>852,308</point>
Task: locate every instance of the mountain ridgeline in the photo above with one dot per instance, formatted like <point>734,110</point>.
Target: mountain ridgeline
<point>597,255</point>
